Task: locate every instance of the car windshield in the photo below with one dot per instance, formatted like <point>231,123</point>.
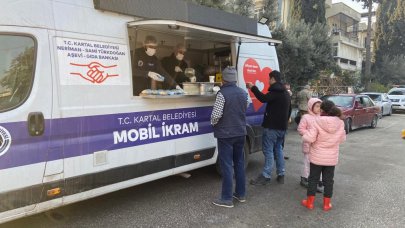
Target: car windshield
<point>397,92</point>
<point>341,101</point>
<point>375,97</point>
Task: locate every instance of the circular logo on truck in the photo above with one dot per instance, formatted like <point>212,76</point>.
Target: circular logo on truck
<point>5,140</point>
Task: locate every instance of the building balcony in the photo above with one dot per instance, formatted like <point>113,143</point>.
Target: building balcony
<point>346,37</point>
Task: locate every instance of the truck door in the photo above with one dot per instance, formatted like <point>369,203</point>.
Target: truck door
<point>25,116</point>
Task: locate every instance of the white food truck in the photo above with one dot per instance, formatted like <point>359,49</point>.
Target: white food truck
<point>71,127</point>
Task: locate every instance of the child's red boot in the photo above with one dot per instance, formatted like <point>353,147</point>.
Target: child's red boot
<point>309,202</point>
<point>326,204</point>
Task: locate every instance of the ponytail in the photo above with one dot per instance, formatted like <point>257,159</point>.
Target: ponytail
<point>329,109</point>
<point>335,111</point>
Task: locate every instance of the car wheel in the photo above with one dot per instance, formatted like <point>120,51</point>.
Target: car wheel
<point>390,112</point>
<point>348,125</point>
<point>374,122</point>
<point>382,112</point>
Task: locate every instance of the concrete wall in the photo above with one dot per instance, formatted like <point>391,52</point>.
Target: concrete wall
<point>342,8</point>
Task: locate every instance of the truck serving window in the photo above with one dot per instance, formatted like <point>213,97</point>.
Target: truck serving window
<point>182,53</point>
<point>17,57</point>
<point>178,58</point>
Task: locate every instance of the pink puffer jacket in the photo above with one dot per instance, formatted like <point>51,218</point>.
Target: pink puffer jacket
<point>306,122</point>
<point>325,135</point>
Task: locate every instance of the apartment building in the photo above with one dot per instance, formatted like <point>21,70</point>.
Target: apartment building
<point>348,34</point>
<point>344,22</point>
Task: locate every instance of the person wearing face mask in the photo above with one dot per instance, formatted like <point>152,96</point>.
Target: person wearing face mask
<point>175,64</point>
<point>148,73</point>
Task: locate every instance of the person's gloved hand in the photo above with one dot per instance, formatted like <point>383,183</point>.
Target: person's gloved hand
<point>179,89</point>
<point>156,76</point>
<point>178,69</point>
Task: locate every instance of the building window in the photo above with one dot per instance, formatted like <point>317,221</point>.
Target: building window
<point>344,61</point>
<point>335,47</point>
<point>354,63</point>
<point>335,51</point>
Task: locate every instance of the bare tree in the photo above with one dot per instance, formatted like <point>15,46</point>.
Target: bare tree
<point>367,72</point>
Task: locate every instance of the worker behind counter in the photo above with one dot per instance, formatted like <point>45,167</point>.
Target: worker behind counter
<point>147,70</point>
<point>175,64</point>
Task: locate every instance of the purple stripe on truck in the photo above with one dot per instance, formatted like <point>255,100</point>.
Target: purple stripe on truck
<point>77,136</point>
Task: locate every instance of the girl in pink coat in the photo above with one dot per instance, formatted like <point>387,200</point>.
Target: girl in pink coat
<point>314,109</point>
<point>325,136</point>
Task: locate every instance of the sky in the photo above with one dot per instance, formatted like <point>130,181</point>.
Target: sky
<point>354,4</point>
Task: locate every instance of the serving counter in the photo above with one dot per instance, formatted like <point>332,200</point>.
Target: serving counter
<point>190,89</point>
<point>151,96</point>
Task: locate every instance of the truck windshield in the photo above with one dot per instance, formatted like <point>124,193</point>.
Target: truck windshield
<point>17,56</point>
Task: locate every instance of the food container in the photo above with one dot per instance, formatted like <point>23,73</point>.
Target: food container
<point>206,88</point>
<point>198,88</point>
<point>191,88</point>
<point>189,72</point>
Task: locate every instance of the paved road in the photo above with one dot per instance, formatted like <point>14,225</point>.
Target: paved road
<point>369,192</point>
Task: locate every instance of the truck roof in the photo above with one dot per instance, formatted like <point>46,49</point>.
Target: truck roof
<point>180,10</point>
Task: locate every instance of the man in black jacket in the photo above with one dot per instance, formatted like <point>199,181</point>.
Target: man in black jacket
<point>275,123</point>
<point>148,73</point>
<point>175,64</point>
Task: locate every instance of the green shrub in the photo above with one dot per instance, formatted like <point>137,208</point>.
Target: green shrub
<point>378,87</point>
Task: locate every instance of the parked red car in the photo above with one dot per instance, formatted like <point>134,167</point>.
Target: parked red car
<point>358,110</point>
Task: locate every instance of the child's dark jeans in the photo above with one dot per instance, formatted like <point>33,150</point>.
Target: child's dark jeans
<point>327,179</point>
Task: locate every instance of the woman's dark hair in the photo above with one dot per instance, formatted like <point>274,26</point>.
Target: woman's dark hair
<point>330,109</point>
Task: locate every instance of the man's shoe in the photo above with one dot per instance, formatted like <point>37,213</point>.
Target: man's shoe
<point>280,179</point>
<point>286,157</point>
<point>241,199</point>
<point>222,203</point>
<point>260,180</point>
<point>304,182</point>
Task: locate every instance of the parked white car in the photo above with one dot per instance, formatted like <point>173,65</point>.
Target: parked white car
<point>382,101</point>
<point>397,97</point>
